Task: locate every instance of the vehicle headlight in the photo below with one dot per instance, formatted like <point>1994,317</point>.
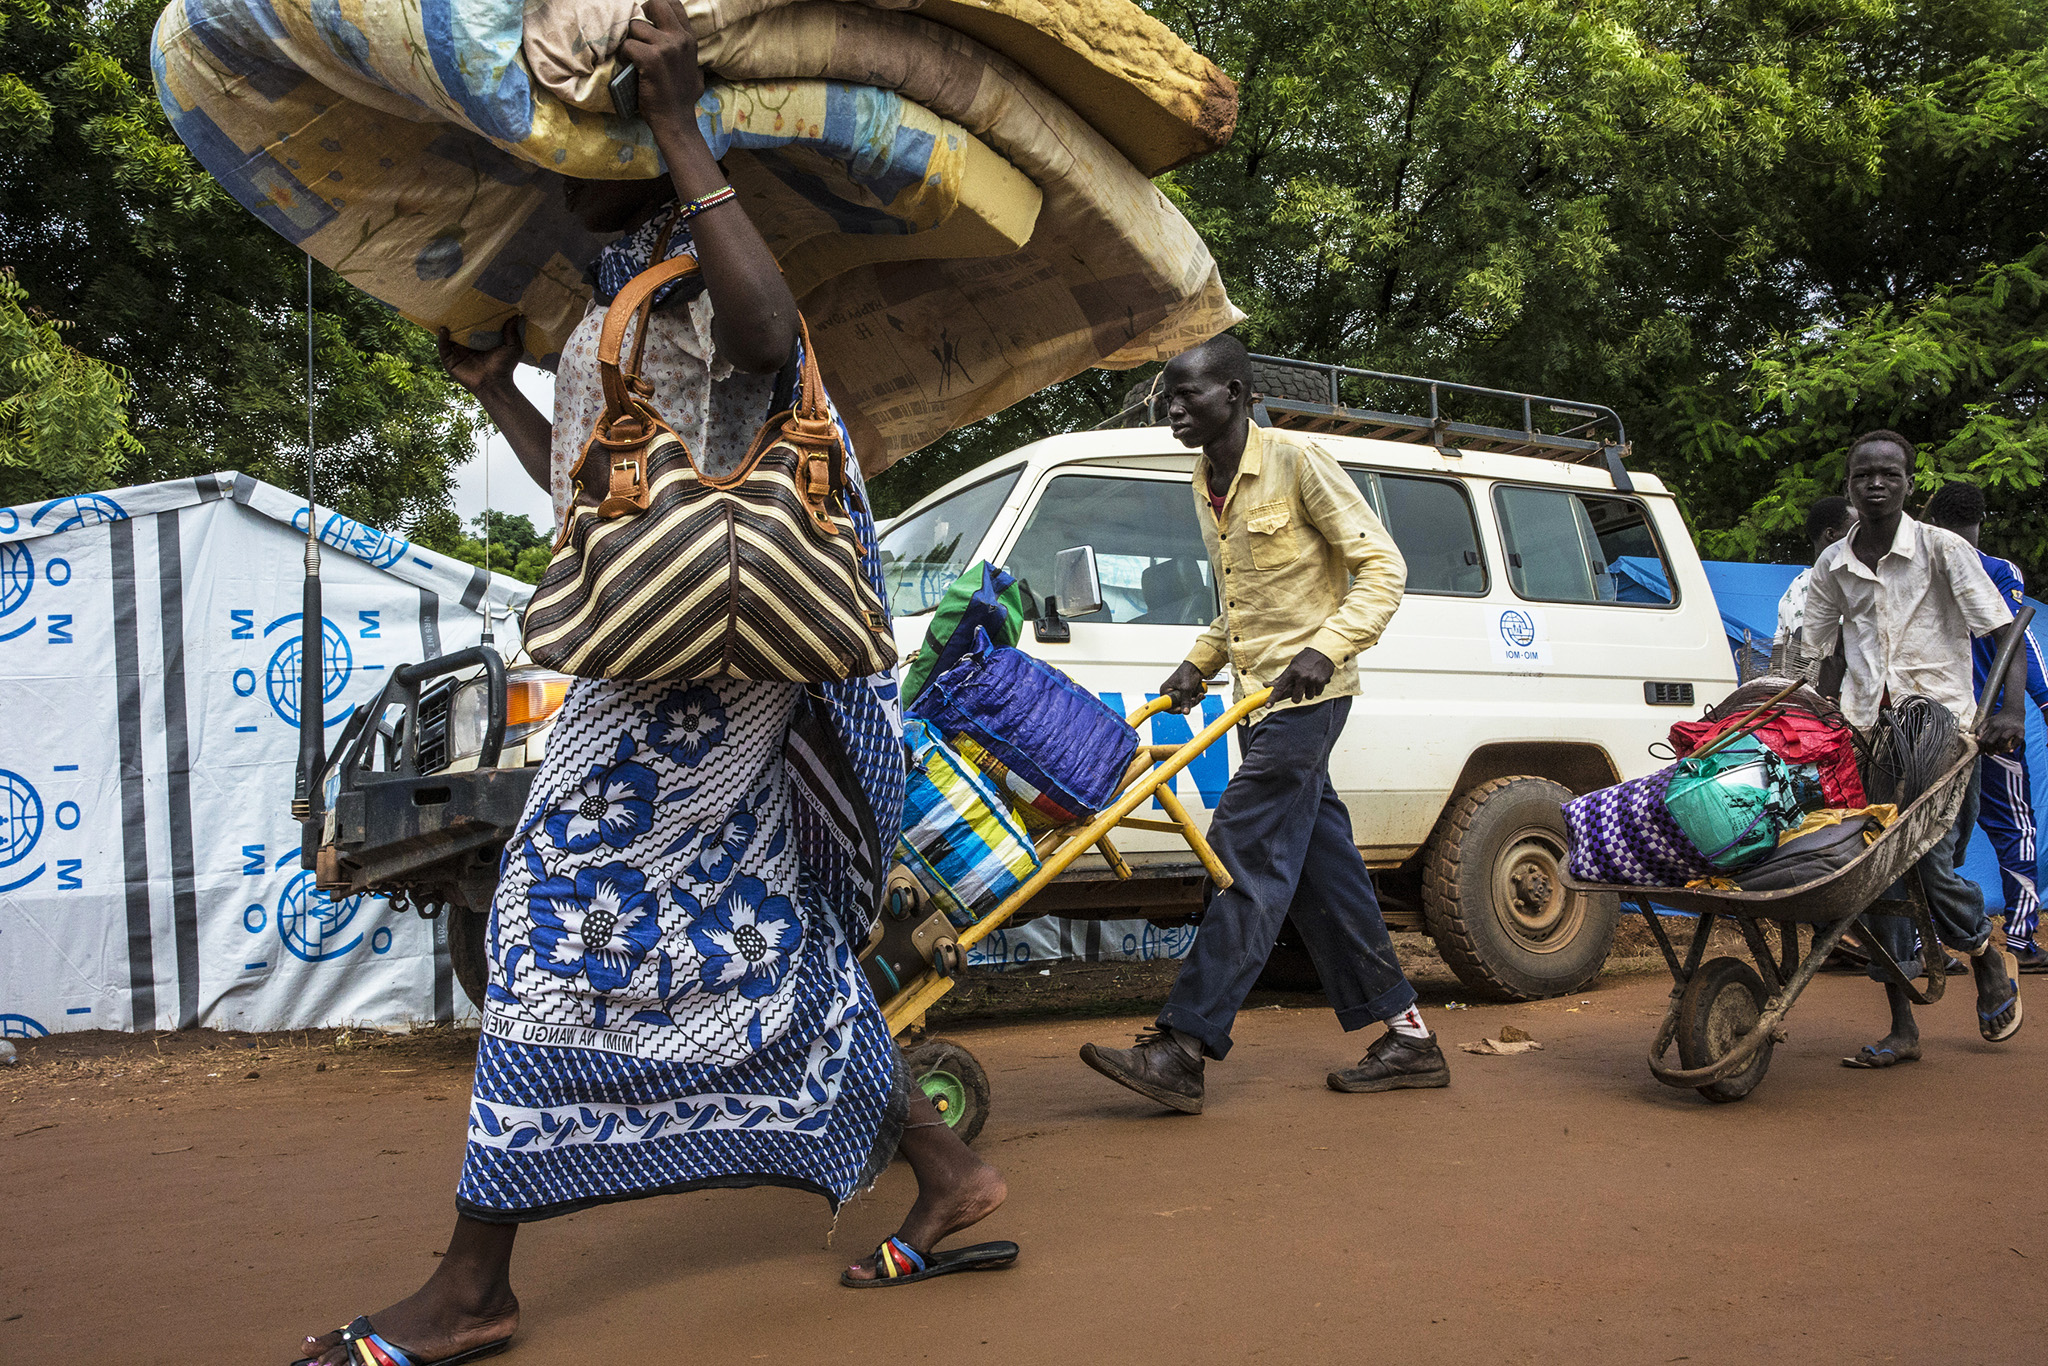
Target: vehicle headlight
<point>469,718</point>
<point>532,697</point>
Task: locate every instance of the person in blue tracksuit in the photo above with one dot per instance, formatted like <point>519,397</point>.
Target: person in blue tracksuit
<point>2007,810</point>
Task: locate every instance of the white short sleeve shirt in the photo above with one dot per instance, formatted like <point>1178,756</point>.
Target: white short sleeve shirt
<point>1906,626</point>
<point>1792,607</point>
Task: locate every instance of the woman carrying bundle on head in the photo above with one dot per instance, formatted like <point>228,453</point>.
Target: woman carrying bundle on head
<point>675,998</point>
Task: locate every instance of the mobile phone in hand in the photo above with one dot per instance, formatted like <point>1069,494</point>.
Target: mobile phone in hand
<point>625,91</point>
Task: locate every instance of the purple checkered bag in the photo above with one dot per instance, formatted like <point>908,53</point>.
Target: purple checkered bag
<point>1625,834</point>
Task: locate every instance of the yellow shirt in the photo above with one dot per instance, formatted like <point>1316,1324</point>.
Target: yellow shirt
<point>1303,563</point>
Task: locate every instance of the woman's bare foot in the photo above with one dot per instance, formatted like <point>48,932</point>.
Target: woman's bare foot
<point>467,1303</point>
<point>955,1189</point>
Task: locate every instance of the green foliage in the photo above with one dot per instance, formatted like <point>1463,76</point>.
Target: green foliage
<point>1749,226</point>
<point>516,546</point>
<point>63,416</point>
<point>1965,371</point>
<point>107,221</point>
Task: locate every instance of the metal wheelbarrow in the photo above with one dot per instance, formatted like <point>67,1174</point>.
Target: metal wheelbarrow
<point>1724,1014</point>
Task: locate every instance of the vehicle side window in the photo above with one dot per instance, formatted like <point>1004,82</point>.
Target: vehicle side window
<point>922,555</point>
<point>1148,548</point>
<point>1431,521</point>
<point>1581,547</point>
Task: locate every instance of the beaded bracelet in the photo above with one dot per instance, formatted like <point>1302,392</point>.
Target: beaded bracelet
<point>696,206</point>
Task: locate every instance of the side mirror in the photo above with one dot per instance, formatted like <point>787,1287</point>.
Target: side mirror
<point>1077,589</point>
<point>1076,581</point>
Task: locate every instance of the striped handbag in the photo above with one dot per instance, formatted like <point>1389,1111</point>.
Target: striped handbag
<point>664,572</point>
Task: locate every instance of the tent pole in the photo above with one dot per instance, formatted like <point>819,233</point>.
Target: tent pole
<point>312,663</point>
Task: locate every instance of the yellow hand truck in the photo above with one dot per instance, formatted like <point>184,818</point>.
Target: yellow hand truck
<point>947,1073</point>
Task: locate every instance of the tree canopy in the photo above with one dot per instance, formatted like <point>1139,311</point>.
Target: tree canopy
<point>132,267</point>
<point>1753,227</point>
<point>1750,227</point>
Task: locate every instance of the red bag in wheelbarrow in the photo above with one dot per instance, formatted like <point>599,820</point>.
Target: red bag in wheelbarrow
<point>1053,744</point>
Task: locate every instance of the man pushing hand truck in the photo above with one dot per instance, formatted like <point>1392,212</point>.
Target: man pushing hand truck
<point>1308,578</point>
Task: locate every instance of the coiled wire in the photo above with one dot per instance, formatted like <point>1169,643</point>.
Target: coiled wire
<point>1915,743</point>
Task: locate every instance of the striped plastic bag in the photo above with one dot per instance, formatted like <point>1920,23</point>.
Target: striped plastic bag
<point>959,838</point>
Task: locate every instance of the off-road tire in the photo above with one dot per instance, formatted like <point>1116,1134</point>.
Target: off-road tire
<point>1494,951</point>
<point>1720,1004</point>
<point>1286,381</point>
<point>1135,413</point>
<point>467,951</point>
<point>942,1068</point>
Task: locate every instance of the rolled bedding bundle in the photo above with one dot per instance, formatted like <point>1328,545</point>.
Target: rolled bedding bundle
<point>957,233</point>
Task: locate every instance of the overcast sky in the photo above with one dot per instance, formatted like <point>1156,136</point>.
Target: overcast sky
<point>511,489</point>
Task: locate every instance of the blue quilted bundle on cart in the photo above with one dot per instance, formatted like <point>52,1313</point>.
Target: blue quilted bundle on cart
<point>1050,742</point>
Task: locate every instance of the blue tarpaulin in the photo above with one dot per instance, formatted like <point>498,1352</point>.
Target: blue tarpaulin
<point>1748,594</point>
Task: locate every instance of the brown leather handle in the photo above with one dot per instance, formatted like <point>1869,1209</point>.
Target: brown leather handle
<point>632,301</point>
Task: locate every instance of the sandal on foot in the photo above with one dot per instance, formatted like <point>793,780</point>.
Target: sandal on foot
<point>366,1347</point>
<point>2001,1024</point>
<point>1871,1057</point>
<point>898,1263</point>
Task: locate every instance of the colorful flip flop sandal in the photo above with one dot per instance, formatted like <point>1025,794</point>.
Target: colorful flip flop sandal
<point>898,1263</point>
<point>367,1348</point>
<point>1872,1058</point>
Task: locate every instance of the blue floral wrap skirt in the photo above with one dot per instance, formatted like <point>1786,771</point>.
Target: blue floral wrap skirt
<point>675,1001</point>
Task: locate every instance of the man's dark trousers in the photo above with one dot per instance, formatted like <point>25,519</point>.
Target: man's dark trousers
<point>1281,829</point>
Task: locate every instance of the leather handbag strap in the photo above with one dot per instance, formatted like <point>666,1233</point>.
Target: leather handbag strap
<point>633,301</point>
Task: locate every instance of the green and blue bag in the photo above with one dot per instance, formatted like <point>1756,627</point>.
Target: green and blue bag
<point>983,597</point>
<point>1735,802</point>
<point>959,838</point>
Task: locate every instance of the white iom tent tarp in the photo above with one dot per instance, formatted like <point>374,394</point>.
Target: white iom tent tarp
<point>149,687</point>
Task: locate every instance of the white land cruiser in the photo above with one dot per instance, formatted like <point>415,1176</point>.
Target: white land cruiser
<point>1556,622</point>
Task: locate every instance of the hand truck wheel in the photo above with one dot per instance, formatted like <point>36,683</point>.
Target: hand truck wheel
<point>953,1081</point>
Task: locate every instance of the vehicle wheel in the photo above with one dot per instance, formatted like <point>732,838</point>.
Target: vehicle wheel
<point>1288,966</point>
<point>1142,406</point>
<point>467,931</point>
<point>1286,381</point>
<point>1720,1006</point>
<point>955,1083</point>
<point>1494,900</point>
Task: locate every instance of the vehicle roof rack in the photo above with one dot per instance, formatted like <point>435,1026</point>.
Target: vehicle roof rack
<point>1313,402</point>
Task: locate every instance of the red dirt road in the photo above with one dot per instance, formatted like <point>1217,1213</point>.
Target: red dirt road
<point>1558,1206</point>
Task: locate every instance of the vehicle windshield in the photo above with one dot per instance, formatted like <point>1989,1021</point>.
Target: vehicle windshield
<point>923,554</point>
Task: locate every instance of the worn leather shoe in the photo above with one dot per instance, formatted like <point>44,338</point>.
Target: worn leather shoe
<point>1395,1062</point>
<point>1156,1068</point>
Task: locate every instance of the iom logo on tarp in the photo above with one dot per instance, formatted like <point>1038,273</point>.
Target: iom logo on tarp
<point>281,678</point>
<point>21,818</point>
<point>364,542</point>
<point>80,509</point>
<point>21,1027</point>
<point>17,581</point>
<point>312,924</point>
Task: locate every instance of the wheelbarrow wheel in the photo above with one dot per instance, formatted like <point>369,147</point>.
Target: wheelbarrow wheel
<point>953,1081</point>
<point>1720,1007</point>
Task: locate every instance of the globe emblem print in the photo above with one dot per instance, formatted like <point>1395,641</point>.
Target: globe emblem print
<point>281,679</point>
<point>312,924</point>
<point>80,509</point>
<point>17,577</point>
<point>1517,629</point>
<point>21,817</point>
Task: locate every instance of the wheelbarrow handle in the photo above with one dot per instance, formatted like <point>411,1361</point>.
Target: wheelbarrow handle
<point>1995,678</point>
